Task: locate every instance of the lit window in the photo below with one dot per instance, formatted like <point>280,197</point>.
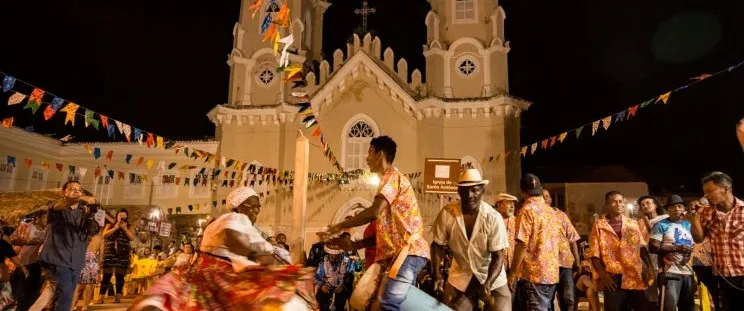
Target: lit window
<point>37,178</point>
<point>357,144</point>
<point>7,177</point>
<point>464,10</point>
<point>199,186</point>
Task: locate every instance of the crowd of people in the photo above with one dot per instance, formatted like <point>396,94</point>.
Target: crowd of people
<point>514,253</point>
<point>60,253</point>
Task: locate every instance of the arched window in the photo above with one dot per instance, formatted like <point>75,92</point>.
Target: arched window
<point>357,134</point>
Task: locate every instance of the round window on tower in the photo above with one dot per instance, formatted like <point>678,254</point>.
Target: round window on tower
<point>265,74</point>
<point>467,66</point>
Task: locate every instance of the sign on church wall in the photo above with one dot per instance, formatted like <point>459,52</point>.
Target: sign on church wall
<point>441,175</point>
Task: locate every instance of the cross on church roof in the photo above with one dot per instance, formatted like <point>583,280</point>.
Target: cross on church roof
<point>364,11</point>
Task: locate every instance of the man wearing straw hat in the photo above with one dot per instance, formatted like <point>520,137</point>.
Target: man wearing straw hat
<point>476,234</point>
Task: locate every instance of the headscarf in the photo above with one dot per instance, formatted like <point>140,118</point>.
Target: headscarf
<point>239,195</point>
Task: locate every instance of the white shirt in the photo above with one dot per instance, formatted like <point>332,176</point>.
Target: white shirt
<point>472,257</point>
<point>215,239</point>
<point>29,253</point>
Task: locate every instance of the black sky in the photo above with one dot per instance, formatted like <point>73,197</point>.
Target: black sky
<point>160,66</point>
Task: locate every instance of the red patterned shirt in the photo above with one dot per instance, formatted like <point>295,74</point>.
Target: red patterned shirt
<point>726,234</point>
<point>401,219</point>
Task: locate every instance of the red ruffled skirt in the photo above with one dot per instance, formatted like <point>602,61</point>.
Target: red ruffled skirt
<point>212,284</point>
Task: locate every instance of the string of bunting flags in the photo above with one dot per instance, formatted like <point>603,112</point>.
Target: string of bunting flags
<point>97,121</point>
<point>607,121</point>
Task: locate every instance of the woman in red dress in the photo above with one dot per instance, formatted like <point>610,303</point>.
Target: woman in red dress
<point>237,269</point>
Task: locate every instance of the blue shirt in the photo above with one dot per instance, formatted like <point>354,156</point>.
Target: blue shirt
<point>65,243</point>
<point>335,274</point>
<point>674,233</point>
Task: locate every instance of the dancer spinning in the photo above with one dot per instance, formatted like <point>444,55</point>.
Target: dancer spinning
<point>227,275</point>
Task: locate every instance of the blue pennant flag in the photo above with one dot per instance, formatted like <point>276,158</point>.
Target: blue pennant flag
<point>11,160</point>
<point>266,23</point>
<point>111,130</point>
<point>96,152</point>
<point>129,158</point>
<point>57,103</point>
<point>8,83</point>
<point>137,134</point>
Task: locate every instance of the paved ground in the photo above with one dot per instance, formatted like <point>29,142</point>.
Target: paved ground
<point>108,306</point>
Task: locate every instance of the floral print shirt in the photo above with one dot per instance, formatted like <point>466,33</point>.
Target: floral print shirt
<point>538,228</point>
<point>568,235</point>
<point>620,256</point>
<point>401,219</point>
<point>511,233</point>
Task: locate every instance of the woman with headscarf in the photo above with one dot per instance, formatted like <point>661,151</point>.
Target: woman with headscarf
<point>236,270</point>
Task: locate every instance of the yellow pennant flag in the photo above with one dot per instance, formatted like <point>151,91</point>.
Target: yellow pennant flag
<point>160,142</point>
<point>664,97</point>
<point>88,148</point>
<point>71,108</point>
<point>292,70</point>
<point>276,43</point>
<point>524,151</point>
<point>150,163</point>
<point>562,136</point>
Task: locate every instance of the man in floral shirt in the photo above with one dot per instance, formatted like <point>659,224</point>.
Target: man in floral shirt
<point>536,252</point>
<point>568,256</point>
<point>400,227</point>
<point>616,248</point>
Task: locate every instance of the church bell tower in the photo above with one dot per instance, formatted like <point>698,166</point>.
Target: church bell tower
<point>466,52</point>
<point>253,77</point>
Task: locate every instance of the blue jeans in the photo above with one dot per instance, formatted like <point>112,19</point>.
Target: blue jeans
<point>63,281</point>
<point>679,292</point>
<point>534,296</point>
<point>565,290</point>
<point>397,288</point>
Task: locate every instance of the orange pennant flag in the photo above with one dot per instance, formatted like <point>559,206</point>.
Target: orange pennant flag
<point>664,97</point>
<point>270,33</point>
<point>255,6</point>
<point>544,144</point>
<point>109,155</point>
<point>282,17</point>
<point>552,140</point>
<point>140,160</point>
<point>632,111</point>
<point>8,122</point>
<point>316,132</point>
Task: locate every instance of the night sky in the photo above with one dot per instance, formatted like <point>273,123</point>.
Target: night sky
<point>161,65</point>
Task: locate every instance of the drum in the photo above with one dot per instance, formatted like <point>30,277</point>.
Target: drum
<point>418,300</point>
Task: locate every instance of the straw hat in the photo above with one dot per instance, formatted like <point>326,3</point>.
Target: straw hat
<point>471,177</point>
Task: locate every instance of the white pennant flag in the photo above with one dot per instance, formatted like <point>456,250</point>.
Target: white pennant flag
<point>284,58</point>
<point>119,125</point>
<point>223,161</point>
<point>126,129</point>
<point>16,98</point>
<point>161,166</point>
<point>82,171</point>
<point>156,179</point>
<point>534,147</point>
<point>139,139</point>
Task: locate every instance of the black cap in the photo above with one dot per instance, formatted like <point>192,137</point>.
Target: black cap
<point>530,184</point>
<point>673,200</point>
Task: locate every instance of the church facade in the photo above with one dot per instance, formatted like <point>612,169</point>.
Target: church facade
<point>460,109</point>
